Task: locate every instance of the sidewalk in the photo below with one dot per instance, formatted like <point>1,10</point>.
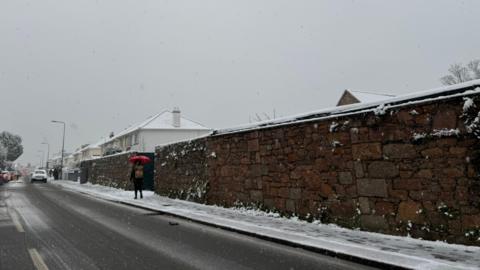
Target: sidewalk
<point>401,252</point>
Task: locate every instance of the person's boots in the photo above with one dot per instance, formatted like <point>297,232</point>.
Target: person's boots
<point>135,195</point>
<point>141,195</point>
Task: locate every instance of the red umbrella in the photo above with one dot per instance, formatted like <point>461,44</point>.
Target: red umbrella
<point>142,159</point>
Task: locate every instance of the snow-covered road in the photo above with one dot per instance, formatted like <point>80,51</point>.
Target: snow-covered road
<point>61,229</point>
<point>398,251</point>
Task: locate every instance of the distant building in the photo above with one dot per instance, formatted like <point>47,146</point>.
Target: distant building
<point>352,97</point>
<point>92,151</point>
<point>85,152</point>
<point>165,127</point>
<point>56,160</point>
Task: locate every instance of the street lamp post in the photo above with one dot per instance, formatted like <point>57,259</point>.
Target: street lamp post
<point>63,144</point>
<point>40,160</point>
<point>48,152</point>
<point>42,157</point>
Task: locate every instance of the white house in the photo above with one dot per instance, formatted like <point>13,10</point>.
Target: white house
<point>85,152</point>
<point>165,127</point>
<point>351,97</point>
<point>91,151</point>
<point>56,159</point>
<point>70,161</point>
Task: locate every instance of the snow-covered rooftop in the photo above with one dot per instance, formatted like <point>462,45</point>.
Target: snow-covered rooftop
<point>466,88</point>
<point>160,121</point>
<point>366,97</point>
<point>95,145</point>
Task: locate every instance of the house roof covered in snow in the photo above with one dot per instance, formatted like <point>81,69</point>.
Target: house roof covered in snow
<point>95,145</point>
<point>89,146</point>
<point>366,97</point>
<point>160,121</point>
<point>350,97</point>
<point>457,90</point>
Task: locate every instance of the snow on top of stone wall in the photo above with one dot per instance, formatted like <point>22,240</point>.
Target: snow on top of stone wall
<point>457,90</point>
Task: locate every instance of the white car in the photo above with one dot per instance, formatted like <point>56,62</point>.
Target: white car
<point>39,175</point>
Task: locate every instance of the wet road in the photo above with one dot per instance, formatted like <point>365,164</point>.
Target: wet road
<point>45,227</point>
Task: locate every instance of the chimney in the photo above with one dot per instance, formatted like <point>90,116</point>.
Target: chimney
<point>176,117</point>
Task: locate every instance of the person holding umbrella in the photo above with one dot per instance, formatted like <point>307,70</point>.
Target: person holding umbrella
<point>136,175</point>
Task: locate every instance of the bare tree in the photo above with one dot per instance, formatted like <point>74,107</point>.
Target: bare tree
<point>474,67</point>
<point>460,73</point>
<point>260,118</point>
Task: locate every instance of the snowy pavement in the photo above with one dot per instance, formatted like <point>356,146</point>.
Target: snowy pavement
<point>397,251</point>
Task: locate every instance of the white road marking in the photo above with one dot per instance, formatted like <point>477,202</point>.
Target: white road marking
<point>16,222</point>
<point>37,259</point>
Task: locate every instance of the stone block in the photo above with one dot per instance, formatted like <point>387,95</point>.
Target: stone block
<point>358,166</point>
<point>364,204</point>
<point>269,203</point>
<point>257,170</point>
<point>384,208</point>
<point>394,133</point>
<point>424,173</point>
<point>470,221</point>
<point>295,174</point>
<point>256,195</point>
<point>283,192</point>
<point>469,210</point>
<point>345,209</point>
<point>290,206</point>
<point>351,191</point>
<point>458,151</point>
<point>295,193</point>
<point>445,119</point>
<point>382,169</point>
<point>399,151</point>
<point>423,120</point>
<point>345,178</point>
<point>409,210</point>
<point>253,145</point>
<point>454,172</point>
<point>325,190</point>
<point>374,223</point>
<point>372,187</point>
<point>407,184</point>
<point>375,134</point>
<point>253,135</point>
<point>405,117</point>
<point>367,151</point>
<point>454,226</point>
<point>405,174</point>
<point>432,152</point>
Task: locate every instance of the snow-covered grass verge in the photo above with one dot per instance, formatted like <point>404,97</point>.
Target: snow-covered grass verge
<point>393,250</point>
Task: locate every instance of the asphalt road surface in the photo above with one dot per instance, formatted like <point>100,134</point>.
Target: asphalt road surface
<point>45,227</point>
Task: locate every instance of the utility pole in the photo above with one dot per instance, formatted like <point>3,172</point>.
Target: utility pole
<point>41,157</point>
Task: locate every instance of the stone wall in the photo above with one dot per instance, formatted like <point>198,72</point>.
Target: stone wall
<point>408,170</point>
<point>112,171</point>
<point>181,171</point>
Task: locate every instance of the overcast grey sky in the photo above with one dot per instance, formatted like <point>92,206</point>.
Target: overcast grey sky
<point>102,65</point>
